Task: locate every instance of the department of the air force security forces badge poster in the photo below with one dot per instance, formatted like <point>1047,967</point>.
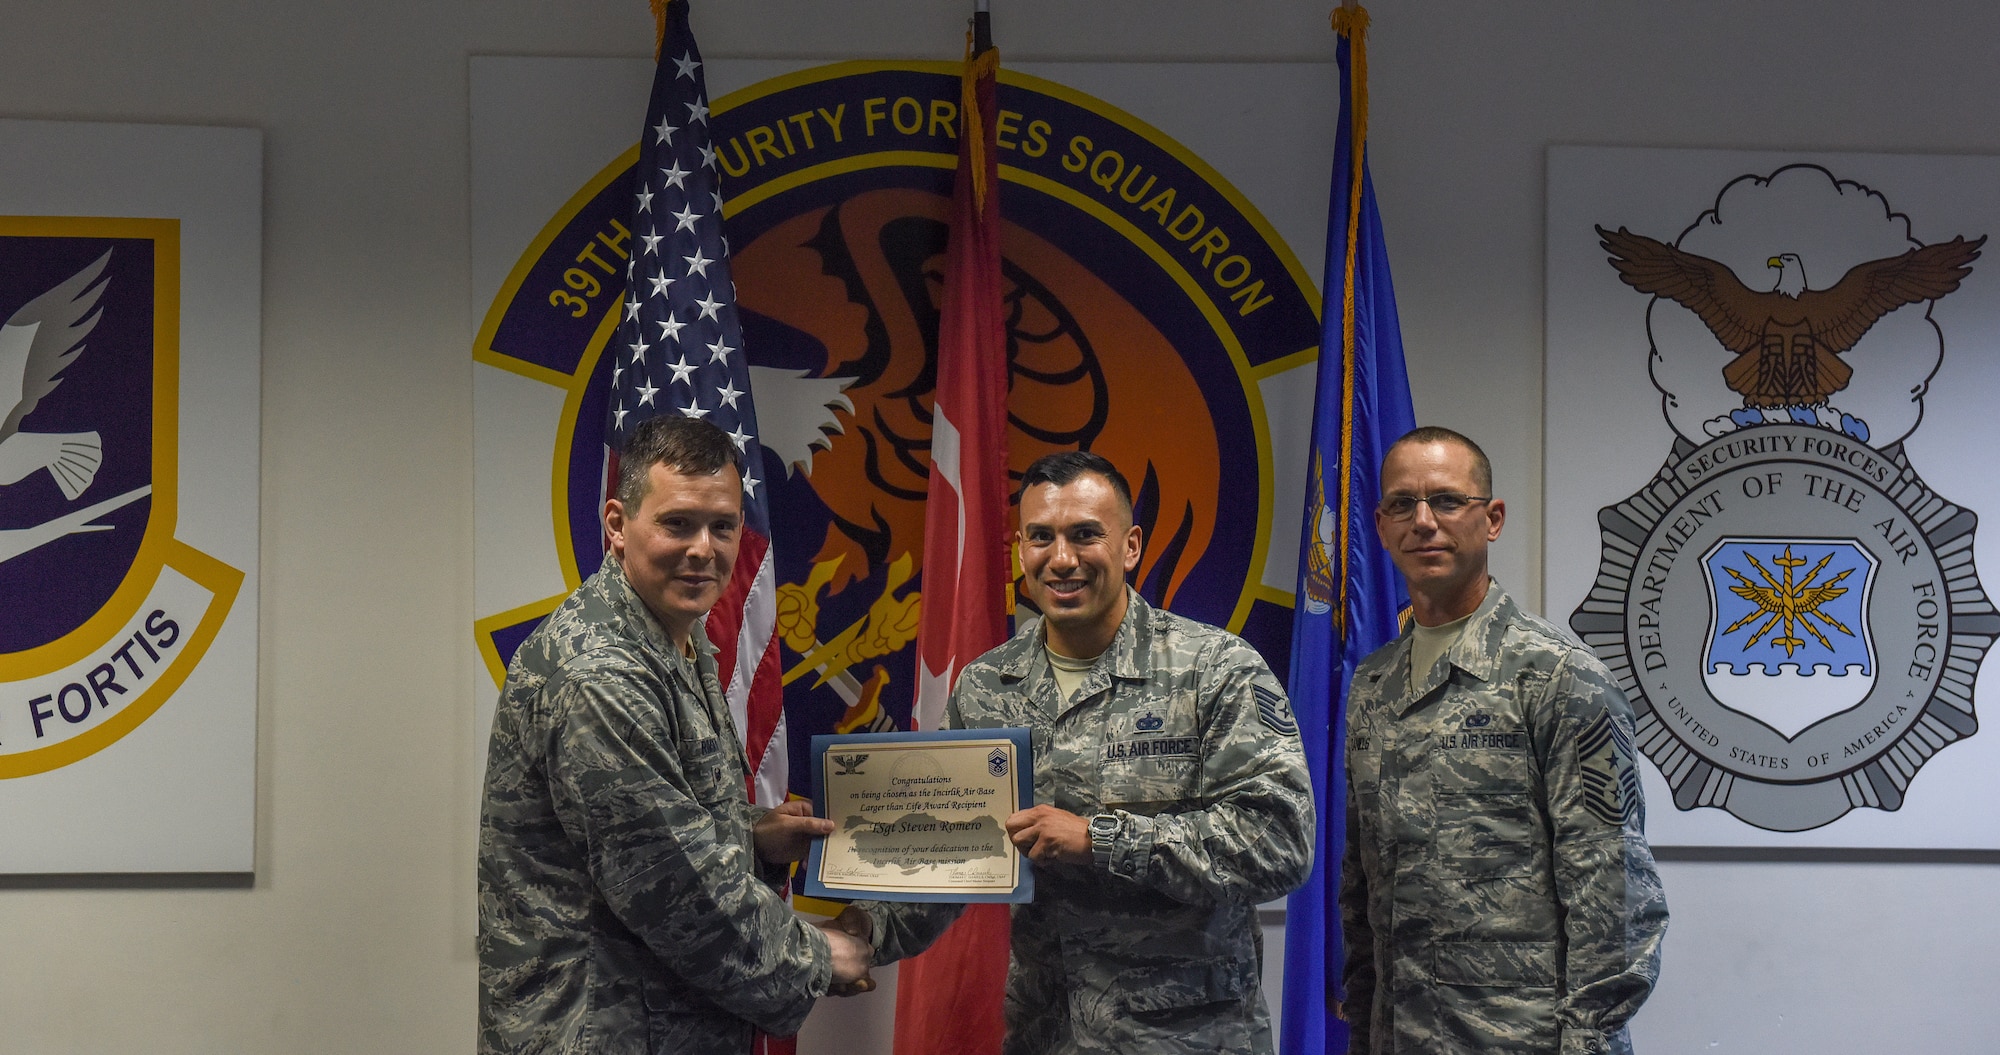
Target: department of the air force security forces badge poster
<point>127,653</point>
<point>1149,304</point>
<point>1770,436</point>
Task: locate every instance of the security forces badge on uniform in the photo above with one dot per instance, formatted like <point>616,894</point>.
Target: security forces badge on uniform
<point>1793,612</point>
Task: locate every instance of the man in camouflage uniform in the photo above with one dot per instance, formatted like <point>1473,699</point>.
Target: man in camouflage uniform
<point>1497,893</point>
<point>627,897</point>
<point>1172,789</point>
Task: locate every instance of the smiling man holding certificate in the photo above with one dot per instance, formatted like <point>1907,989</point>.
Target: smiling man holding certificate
<point>1172,796</point>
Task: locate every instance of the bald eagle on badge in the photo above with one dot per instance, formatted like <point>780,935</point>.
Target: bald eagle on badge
<point>1788,340</point>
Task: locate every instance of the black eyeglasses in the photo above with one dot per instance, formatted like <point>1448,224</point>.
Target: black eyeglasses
<point>1443,504</point>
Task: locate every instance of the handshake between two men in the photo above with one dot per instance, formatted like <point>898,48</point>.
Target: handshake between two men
<point>1043,834</point>
<point>783,836</point>
<point>628,891</point>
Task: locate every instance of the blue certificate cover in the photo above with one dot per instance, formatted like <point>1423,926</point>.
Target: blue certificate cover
<point>919,816</point>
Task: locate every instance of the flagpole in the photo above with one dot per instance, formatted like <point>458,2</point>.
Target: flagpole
<point>952,997</point>
<point>1349,591</point>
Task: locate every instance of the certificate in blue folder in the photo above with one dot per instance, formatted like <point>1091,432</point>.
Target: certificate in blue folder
<point>919,816</point>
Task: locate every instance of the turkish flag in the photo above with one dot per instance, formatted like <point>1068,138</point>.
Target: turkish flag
<point>949,998</point>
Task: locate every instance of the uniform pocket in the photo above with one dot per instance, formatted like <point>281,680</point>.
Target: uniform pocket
<point>1484,834</point>
<point>702,766</point>
<point>1495,997</point>
<point>1170,987</point>
<point>1146,773</point>
<point>675,1025</point>
<point>1198,1006</point>
<point>1500,964</point>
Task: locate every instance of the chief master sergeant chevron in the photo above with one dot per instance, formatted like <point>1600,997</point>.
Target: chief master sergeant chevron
<point>1172,797</point>
<point>625,897</point>
<point>1497,893</point>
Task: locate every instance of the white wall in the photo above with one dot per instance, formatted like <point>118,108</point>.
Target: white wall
<point>356,934</point>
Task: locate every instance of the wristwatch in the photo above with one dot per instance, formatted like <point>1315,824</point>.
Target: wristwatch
<point>1104,831</point>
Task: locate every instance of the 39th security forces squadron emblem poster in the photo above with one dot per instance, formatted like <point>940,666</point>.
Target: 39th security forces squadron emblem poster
<point>128,497</point>
<point>1156,316</point>
<point>1770,384</point>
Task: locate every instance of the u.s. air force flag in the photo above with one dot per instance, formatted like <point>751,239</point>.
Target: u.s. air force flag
<point>1349,593</point>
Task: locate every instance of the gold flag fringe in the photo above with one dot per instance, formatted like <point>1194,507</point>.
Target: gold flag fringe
<point>1350,21</point>
<point>659,25</point>
<point>970,124</point>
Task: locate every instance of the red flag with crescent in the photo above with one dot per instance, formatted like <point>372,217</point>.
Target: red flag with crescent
<point>949,998</point>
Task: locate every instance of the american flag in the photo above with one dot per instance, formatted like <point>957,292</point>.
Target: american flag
<point>679,350</point>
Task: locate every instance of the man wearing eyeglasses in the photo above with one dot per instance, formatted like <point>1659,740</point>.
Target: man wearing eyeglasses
<point>1497,892</point>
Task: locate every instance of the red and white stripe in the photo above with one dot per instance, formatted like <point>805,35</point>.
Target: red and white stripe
<point>743,624</point>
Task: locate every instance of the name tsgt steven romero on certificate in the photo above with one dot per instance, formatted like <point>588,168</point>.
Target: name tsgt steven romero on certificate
<point>918,816</point>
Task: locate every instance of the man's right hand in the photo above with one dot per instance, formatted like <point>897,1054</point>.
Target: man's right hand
<point>851,959</point>
<point>855,922</point>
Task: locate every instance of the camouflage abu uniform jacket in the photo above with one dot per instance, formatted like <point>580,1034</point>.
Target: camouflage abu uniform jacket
<point>618,909</point>
<point>1497,893</point>
<point>1180,730</point>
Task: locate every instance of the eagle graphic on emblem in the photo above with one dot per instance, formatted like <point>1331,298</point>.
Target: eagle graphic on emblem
<point>849,764</point>
<point>857,287</point>
<point>36,343</point>
<point>848,296</point>
<point>1788,340</point>
<point>1754,595</point>
<point>1319,552</point>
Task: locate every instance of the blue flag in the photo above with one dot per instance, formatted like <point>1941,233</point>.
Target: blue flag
<point>1349,594</point>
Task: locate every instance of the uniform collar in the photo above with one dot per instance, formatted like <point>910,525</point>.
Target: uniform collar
<point>1474,652</point>
<point>1129,658</point>
<point>624,600</point>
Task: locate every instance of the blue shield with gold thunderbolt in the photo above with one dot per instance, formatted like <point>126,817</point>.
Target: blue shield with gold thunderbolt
<point>1788,640</point>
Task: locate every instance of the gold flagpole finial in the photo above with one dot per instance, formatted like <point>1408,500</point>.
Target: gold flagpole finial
<point>978,63</point>
<point>1350,18</point>
<point>659,25</point>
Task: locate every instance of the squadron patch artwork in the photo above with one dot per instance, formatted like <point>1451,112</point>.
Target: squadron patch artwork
<point>1147,301</point>
<point>106,611</point>
<point>1793,612</point>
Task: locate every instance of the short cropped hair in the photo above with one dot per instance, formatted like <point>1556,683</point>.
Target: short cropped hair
<point>1482,468</point>
<point>689,446</point>
<point>1063,467</point>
